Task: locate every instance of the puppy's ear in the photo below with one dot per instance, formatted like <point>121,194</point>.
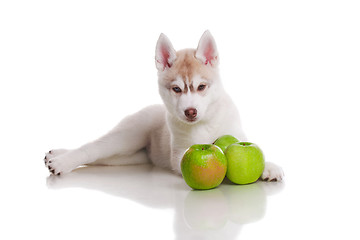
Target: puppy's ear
<point>206,51</point>
<point>165,54</point>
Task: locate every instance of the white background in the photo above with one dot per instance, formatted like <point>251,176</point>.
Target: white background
<point>70,70</point>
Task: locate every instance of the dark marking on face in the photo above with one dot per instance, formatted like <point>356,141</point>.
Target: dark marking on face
<point>187,66</point>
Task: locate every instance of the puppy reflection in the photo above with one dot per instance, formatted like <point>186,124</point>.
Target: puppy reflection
<point>211,214</point>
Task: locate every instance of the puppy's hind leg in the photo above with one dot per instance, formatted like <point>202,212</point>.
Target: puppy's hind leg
<point>128,137</point>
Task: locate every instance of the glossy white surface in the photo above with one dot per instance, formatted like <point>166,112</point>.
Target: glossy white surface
<point>70,70</point>
<point>136,202</point>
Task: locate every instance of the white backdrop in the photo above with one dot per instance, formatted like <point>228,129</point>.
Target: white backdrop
<point>70,70</point>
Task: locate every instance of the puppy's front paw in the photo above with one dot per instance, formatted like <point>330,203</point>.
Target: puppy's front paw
<point>50,155</point>
<point>54,153</point>
<point>61,161</point>
<point>272,173</point>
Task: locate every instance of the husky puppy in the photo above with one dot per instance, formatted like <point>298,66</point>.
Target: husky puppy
<point>196,110</point>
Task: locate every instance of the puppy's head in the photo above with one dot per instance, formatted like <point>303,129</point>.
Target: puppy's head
<point>188,79</point>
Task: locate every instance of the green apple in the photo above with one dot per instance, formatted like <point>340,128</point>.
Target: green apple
<point>245,162</point>
<point>224,141</point>
<point>203,166</point>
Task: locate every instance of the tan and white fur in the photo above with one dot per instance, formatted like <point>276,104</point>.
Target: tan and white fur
<point>196,110</point>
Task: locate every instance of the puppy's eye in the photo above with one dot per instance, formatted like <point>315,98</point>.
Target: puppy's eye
<point>176,89</point>
<point>201,87</point>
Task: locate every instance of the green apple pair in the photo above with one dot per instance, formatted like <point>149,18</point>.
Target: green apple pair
<point>204,166</point>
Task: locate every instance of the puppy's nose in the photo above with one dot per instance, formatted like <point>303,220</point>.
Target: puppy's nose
<point>191,113</point>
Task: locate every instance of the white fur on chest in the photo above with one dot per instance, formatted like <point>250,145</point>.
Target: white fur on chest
<point>201,133</point>
<point>222,118</point>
